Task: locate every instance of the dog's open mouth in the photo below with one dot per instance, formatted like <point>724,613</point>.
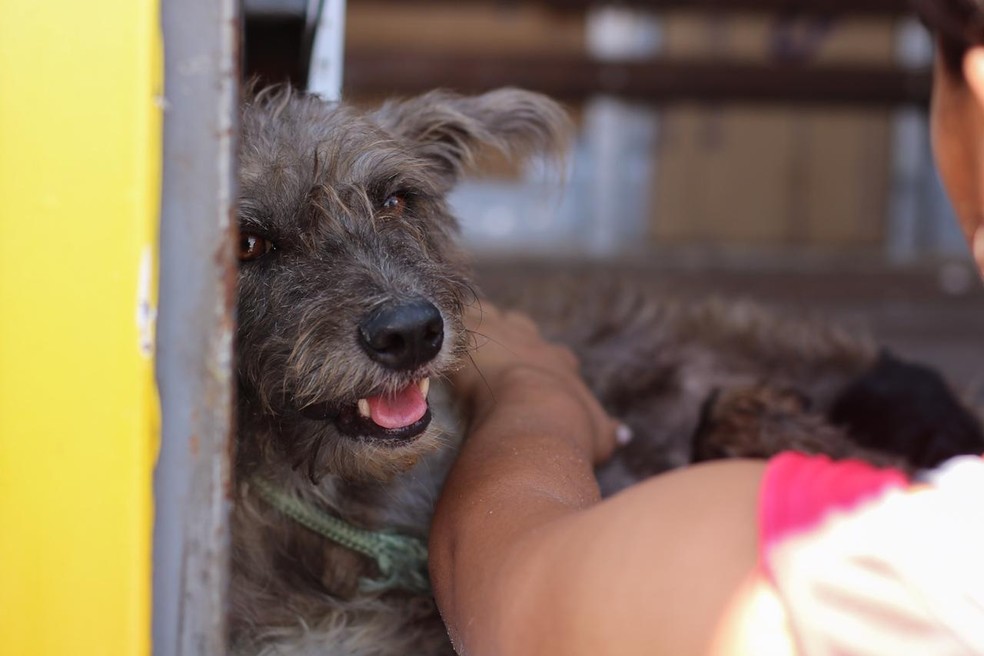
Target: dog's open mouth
<point>390,417</point>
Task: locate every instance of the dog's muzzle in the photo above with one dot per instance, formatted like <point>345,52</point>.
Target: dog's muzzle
<point>390,417</point>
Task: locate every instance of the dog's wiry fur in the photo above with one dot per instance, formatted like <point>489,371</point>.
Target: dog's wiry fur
<point>694,381</point>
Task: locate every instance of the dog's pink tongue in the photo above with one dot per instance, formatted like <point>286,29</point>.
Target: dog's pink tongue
<point>406,407</point>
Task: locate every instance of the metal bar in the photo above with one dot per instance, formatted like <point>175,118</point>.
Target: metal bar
<point>576,78</point>
<point>326,21</point>
<point>196,329</point>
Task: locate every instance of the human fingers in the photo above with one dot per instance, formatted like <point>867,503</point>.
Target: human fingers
<point>501,340</point>
<point>511,359</point>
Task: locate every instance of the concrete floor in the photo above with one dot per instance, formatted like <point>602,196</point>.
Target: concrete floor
<point>908,310</point>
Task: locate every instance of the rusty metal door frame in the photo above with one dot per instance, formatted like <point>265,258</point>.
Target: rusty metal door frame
<point>196,327</point>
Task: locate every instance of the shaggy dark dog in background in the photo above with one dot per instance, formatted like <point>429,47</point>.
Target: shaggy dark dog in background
<point>352,286</point>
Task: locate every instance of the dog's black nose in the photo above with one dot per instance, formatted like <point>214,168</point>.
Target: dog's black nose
<point>403,336</point>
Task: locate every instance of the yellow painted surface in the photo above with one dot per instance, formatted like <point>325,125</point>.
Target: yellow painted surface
<point>80,148</point>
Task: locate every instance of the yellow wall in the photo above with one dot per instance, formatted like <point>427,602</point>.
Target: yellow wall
<point>80,128</point>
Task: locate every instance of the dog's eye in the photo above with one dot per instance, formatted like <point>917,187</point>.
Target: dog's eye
<point>253,247</point>
<point>394,205</point>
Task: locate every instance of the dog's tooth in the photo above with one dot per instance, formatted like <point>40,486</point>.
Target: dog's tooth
<point>364,409</point>
<point>425,385</point>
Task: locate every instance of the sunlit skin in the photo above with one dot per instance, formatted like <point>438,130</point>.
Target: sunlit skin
<point>957,124</point>
<point>525,557</point>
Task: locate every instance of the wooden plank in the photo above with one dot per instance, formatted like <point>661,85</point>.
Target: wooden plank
<point>816,7</point>
<point>575,78</point>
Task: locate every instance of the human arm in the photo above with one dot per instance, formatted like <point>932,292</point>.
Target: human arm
<point>525,559</point>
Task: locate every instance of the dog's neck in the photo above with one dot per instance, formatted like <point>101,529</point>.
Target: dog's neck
<point>402,504</point>
<point>400,559</point>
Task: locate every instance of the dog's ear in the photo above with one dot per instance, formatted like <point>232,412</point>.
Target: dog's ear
<point>448,130</point>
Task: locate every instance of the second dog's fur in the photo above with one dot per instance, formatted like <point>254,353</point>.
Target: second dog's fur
<point>352,288</point>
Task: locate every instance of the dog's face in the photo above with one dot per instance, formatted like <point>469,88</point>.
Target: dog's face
<point>351,282</point>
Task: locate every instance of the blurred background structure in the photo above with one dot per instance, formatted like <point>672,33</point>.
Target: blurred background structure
<point>775,149</point>
<point>740,130</point>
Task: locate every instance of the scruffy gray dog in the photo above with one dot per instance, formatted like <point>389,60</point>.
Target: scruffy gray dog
<point>352,286</point>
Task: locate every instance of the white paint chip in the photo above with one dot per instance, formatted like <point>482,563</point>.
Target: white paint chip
<point>146,310</point>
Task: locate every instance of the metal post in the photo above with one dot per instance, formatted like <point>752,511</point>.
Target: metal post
<point>327,19</point>
<point>196,328</point>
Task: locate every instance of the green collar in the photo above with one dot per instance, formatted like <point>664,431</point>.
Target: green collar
<point>401,559</point>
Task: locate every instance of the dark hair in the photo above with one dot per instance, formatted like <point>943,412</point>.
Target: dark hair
<point>958,25</point>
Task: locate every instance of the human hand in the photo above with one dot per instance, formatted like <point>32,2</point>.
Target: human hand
<point>512,366</point>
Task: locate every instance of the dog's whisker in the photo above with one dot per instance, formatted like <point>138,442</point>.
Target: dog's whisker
<point>481,375</point>
<point>471,289</point>
<point>491,340</point>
